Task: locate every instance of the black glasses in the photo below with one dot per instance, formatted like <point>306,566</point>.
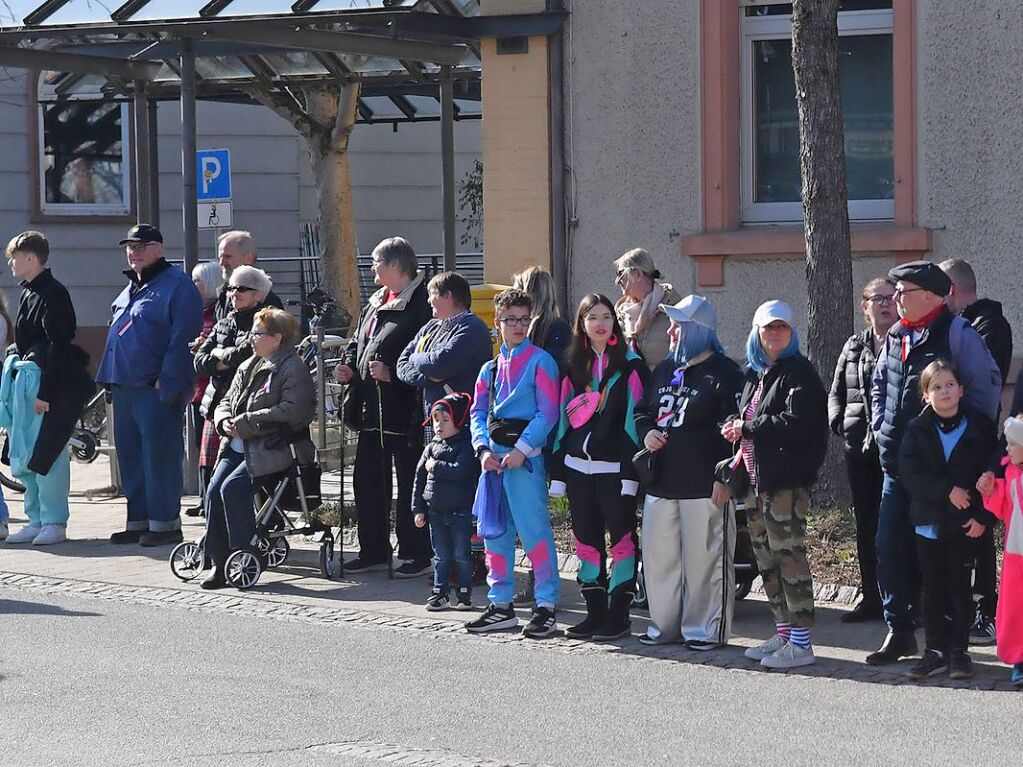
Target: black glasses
<point>513,321</point>
<point>877,298</point>
<point>240,289</point>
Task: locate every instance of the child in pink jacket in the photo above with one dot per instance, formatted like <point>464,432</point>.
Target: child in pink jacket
<point>1004,499</point>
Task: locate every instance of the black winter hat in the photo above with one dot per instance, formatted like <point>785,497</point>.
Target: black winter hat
<point>925,274</point>
<point>457,404</point>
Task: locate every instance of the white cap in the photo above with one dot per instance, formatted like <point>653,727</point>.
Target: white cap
<point>692,308</point>
<point>769,311</point>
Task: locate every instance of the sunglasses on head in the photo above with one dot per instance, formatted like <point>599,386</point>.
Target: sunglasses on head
<point>240,289</point>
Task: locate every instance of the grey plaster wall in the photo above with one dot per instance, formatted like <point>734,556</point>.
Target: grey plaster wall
<point>396,187</point>
<point>632,135</point>
<point>970,105</point>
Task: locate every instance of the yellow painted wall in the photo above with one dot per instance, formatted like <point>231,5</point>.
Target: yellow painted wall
<point>516,160</point>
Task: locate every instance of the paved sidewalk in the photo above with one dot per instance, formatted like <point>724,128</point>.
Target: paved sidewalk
<point>90,566</point>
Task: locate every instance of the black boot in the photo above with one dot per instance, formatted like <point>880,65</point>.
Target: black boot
<point>215,580</point>
<point>898,644</point>
<point>863,612</point>
<point>596,613</point>
<point>617,624</point>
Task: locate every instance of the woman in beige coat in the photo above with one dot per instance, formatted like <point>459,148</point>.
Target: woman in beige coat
<point>644,324</point>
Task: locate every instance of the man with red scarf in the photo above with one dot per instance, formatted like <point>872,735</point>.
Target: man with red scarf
<point>927,331</point>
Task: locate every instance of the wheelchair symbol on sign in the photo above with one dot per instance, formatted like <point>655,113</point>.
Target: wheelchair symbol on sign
<point>214,218</point>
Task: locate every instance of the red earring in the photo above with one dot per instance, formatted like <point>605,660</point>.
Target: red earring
<point>612,340</point>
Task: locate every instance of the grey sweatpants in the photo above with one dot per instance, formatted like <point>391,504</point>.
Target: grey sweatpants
<point>688,547</point>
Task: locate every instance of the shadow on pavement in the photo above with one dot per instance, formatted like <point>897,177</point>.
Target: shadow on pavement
<point>19,607</point>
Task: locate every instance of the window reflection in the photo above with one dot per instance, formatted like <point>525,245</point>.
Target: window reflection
<point>83,153</point>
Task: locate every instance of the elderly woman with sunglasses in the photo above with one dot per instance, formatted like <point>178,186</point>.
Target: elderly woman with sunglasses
<point>226,347</point>
<point>849,412</point>
<point>645,325</point>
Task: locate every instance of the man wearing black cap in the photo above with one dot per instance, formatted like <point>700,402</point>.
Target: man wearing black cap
<point>926,331</point>
<point>148,367</point>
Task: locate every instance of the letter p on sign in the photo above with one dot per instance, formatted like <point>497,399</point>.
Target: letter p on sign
<point>213,171</point>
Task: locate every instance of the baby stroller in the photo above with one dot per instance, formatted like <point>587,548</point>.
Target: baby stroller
<point>294,490</point>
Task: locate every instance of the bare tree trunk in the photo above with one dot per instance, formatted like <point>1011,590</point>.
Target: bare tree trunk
<point>325,117</point>
<point>825,204</point>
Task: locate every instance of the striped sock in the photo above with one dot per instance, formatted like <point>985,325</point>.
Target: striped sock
<point>800,638</point>
<point>783,629</point>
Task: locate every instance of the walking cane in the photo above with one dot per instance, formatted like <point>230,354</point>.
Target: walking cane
<point>383,468</point>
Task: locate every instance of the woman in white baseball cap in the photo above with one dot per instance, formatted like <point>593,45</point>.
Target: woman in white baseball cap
<point>782,432</point>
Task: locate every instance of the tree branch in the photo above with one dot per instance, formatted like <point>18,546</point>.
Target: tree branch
<point>288,107</point>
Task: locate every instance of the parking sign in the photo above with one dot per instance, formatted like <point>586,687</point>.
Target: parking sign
<point>213,168</point>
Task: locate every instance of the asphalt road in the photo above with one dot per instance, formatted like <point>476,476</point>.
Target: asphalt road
<point>85,681</point>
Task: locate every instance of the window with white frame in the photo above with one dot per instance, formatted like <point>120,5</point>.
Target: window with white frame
<point>771,183</point>
<point>83,153</point>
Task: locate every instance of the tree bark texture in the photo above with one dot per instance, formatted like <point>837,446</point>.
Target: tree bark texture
<point>825,205</point>
<point>325,116</point>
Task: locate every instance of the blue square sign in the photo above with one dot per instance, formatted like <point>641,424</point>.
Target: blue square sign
<point>213,167</point>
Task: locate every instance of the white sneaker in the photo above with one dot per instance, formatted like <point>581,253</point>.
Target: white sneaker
<point>769,647</point>
<point>50,534</point>
<point>3,530</point>
<point>789,656</point>
<point>26,534</point>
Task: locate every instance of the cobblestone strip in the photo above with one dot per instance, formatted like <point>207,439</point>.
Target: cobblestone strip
<point>727,659</point>
<point>400,755</point>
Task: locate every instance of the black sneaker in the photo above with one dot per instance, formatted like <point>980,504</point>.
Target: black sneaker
<point>463,600</point>
<point>931,664</point>
<point>195,511</point>
<point>961,666</point>
<point>863,612</point>
<point>161,538</point>
<point>983,631</point>
<point>541,625</point>
<point>898,644</point>
<point>437,602</point>
<point>413,568</point>
<point>126,536</point>
<point>494,618</point>
<point>701,645</point>
<point>360,565</point>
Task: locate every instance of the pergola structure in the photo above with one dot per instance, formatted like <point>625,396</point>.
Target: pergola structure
<point>416,60</point>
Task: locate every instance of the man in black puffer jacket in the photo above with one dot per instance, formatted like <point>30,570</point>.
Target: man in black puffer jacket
<point>926,331</point>
<point>985,316</point>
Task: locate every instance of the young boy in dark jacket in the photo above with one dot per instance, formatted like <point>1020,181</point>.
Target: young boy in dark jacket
<point>444,491</point>
<point>943,453</point>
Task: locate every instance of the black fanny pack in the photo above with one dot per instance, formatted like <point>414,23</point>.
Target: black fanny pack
<point>506,431</point>
<point>503,431</point>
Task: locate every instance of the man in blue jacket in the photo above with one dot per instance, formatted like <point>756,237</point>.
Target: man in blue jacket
<point>148,368</point>
<point>447,353</point>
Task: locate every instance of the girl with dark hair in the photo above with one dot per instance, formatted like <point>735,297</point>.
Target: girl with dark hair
<point>592,461</point>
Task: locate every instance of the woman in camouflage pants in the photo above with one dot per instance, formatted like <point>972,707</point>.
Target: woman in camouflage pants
<point>782,431</point>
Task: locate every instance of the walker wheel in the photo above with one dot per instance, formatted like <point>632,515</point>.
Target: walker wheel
<point>187,560</point>
<point>328,558</point>
<point>274,550</point>
<point>243,568</point>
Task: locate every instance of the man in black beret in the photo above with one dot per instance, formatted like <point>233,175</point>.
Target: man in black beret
<point>926,331</point>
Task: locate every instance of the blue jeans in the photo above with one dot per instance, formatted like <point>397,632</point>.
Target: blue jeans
<point>230,514</point>
<point>450,534</point>
<point>898,574</point>
<point>150,452</point>
<point>5,513</point>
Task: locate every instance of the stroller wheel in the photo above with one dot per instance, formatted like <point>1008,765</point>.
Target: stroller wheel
<point>187,560</point>
<point>328,558</point>
<point>243,568</point>
<point>742,589</point>
<point>274,550</point>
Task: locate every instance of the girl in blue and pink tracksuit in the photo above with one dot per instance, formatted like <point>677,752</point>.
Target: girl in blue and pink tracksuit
<point>514,410</point>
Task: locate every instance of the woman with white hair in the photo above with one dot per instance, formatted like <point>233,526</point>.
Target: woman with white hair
<point>227,346</point>
<point>782,433</point>
<point>639,309</point>
<point>208,279</point>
